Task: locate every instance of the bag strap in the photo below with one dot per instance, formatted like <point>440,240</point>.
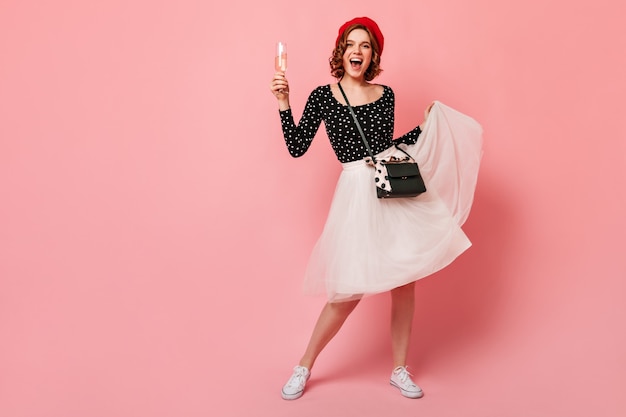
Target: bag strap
<point>358,125</point>
<point>356,121</point>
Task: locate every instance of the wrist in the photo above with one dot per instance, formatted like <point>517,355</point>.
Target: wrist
<point>283,105</point>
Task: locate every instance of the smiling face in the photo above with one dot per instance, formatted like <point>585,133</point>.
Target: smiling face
<point>358,54</point>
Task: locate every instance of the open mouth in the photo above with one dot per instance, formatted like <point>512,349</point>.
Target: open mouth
<point>356,63</point>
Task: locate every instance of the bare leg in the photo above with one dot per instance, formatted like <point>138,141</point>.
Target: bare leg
<point>402,308</point>
<point>331,319</point>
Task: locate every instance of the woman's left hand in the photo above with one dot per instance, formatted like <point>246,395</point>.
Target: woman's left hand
<point>426,113</point>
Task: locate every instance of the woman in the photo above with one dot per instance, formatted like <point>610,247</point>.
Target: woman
<point>368,245</point>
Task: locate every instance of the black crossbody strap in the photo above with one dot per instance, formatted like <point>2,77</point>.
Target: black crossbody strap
<point>356,121</point>
<point>358,126</point>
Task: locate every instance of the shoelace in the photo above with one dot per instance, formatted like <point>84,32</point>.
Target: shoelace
<point>298,378</point>
<point>404,374</point>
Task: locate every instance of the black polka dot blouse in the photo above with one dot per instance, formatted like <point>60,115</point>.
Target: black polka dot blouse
<point>376,120</point>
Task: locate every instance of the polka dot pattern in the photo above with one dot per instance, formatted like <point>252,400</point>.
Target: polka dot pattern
<point>376,119</point>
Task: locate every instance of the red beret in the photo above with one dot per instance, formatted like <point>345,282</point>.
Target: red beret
<point>368,23</point>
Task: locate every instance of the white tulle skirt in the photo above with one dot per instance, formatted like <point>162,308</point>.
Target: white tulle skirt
<point>372,245</point>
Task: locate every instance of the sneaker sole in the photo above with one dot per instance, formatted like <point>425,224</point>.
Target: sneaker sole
<point>407,394</point>
<point>290,397</point>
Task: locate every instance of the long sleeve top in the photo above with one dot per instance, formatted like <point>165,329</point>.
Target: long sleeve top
<point>376,119</point>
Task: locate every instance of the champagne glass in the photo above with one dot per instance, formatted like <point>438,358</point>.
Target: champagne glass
<point>280,61</point>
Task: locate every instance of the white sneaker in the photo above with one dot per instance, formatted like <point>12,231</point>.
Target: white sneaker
<point>401,379</point>
<point>294,388</point>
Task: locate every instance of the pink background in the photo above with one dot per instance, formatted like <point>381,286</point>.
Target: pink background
<point>154,229</point>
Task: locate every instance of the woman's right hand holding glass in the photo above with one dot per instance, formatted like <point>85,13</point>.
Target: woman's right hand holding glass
<point>280,88</point>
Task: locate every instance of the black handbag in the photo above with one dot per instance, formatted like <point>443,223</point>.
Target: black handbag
<point>395,177</point>
<point>404,179</point>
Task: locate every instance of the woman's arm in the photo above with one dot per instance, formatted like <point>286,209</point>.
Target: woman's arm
<point>298,137</point>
